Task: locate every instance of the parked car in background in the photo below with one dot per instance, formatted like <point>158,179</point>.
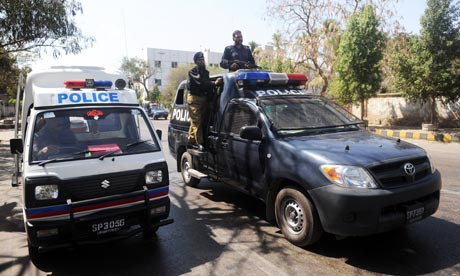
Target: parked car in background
<point>158,112</point>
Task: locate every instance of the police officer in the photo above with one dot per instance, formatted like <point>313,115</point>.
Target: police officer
<point>199,86</point>
<point>237,56</point>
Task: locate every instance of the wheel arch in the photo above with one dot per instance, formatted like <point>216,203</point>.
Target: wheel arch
<point>180,151</point>
<point>274,188</point>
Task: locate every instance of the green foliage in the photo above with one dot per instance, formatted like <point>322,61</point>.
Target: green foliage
<point>138,70</point>
<point>34,25</point>
<point>427,66</point>
<point>10,76</point>
<point>357,67</point>
<point>175,77</point>
<point>154,95</point>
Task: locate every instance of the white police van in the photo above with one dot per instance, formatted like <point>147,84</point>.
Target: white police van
<point>92,168</point>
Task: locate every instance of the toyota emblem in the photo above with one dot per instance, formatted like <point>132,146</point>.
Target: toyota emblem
<point>409,168</point>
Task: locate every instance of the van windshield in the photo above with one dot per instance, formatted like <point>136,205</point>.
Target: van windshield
<point>306,116</point>
<point>91,133</point>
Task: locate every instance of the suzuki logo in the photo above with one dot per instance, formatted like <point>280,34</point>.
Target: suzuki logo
<point>105,184</point>
<point>409,168</point>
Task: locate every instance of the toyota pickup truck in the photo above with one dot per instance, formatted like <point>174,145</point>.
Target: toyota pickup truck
<point>313,163</point>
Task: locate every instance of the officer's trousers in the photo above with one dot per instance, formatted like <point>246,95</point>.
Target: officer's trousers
<point>197,106</point>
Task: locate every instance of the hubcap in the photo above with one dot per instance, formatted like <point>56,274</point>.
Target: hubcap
<point>185,169</point>
<point>294,215</point>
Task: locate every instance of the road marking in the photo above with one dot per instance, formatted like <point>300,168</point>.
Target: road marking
<point>450,192</point>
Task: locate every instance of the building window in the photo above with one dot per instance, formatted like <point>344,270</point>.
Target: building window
<point>174,64</point>
<point>157,63</point>
<point>158,82</point>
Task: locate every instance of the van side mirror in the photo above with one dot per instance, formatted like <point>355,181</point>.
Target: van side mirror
<point>16,146</point>
<point>251,133</point>
<point>159,133</point>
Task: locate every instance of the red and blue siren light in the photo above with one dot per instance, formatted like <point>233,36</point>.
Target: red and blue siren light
<point>263,78</point>
<point>88,83</point>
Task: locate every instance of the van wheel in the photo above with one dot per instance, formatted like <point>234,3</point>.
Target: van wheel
<point>185,165</point>
<point>297,217</point>
<point>33,252</point>
<point>149,233</point>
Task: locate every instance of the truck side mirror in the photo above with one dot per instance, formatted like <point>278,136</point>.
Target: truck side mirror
<point>159,133</point>
<point>251,133</point>
<point>16,146</point>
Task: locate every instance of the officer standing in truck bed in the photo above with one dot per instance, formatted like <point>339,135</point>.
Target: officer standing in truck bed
<point>237,56</point>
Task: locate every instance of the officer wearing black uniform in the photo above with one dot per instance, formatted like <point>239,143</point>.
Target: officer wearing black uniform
<point>237,56</point>
<point>199,86</point>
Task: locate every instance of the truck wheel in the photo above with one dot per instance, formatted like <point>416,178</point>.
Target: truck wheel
<point>185,165</point>
<point>297,217</point>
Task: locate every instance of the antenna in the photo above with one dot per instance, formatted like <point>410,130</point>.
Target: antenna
<point>124,33</point>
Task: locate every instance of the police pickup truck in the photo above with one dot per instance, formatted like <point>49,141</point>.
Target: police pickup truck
<point>309,160</point>
<point>92,168</point>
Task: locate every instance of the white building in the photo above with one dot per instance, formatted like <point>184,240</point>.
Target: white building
<point>164,60</point>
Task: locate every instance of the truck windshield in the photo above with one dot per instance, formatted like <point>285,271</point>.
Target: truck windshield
<point>90,133</point>
<point>303,116</point>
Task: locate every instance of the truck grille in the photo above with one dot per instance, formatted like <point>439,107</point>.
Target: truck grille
<point>81,189</point>
<point>391,175</point>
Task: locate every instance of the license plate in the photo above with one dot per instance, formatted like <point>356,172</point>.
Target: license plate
<point>414,213</point>
<point>108,226</point>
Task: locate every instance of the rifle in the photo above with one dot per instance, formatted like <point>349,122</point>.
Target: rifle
<point>241,64</point>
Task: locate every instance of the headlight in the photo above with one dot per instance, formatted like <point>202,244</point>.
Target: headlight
<point>153,177</point>
<point>348,176</point>
<point>44,192</point>
<point>432,167</point>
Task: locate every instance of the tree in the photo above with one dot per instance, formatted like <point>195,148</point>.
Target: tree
<point>34,25</point>
<point>154,96</point>
<point>357,67</point>
<point>275,58</point>
<point>175,77</point>
<point>308,26</point>
<point>427,67</point>
<point>138,70</point>
<point>9,76</point>
<point>253,45</point>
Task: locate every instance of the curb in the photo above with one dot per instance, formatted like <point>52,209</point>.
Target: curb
<point>430,136</point>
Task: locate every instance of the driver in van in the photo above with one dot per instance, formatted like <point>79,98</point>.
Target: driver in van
<point>52,134</point>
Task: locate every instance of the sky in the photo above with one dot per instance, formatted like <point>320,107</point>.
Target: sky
<point>126,28</point>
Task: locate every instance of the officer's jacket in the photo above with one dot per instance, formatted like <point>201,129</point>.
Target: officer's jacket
<point>240,55</point>
<point>199,83</point>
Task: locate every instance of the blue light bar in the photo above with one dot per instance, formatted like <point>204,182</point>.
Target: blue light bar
<point>252,78</point>
<point>103,84</point>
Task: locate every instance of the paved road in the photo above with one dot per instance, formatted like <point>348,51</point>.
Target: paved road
<point>219,231</point>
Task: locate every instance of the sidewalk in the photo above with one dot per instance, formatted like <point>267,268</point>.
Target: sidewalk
<point>441,135</point>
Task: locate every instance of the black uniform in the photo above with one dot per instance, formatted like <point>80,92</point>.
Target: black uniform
<point>198,81</point>
<point>242,56</point>
<point>200,87</point>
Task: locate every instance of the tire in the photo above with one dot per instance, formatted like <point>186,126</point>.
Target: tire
<point>154,117</point>
<point>297,217</point>
<point>185,165</point>
<point>149,233</point>
<point>33,252</point>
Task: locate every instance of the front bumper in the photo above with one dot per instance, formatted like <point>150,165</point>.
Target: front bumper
<point>74,223</point>
<point>360,212</point>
